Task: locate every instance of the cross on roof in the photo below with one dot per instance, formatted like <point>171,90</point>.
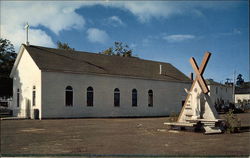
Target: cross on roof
<point>200,70</point>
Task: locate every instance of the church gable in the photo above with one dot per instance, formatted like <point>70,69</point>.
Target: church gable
<point>23,64</point>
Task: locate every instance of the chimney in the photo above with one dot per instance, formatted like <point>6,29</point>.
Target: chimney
<point>191,76</point>
<point>160,70</point>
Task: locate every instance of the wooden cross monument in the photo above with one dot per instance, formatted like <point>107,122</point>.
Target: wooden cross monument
<point>198,108</point>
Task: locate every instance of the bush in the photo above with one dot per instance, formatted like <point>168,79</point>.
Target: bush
<point>232,123</point>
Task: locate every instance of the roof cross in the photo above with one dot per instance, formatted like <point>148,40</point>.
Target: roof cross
<point>199,71</point>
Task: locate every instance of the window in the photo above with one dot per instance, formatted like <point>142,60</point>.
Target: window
<point>69,96</point>
<point>134,97</point>
<point>18,98</point>
<point>34,96</point>
<point>116,97</point>
<point>90,96</point>
<point>150,98</point>
<point>216,90</point>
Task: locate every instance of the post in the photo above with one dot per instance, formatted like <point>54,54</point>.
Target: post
<point>160,70</point>
<point>234,87</point>
<point>191,76</point>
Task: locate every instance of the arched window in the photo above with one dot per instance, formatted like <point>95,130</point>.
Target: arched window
<point>34,96</point>
<point>150,98</point>
<point>18,97</point>
<point>90,96</point>
<point>116,97</point>
<point>69,96</point>
<point>134,97</point>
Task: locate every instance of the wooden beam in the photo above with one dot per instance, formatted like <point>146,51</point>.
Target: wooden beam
<point>204,62</point>
<point>199,76</point>
<point>201,71</point>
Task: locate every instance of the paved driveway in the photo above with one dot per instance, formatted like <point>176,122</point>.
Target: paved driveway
<point>133,136</point>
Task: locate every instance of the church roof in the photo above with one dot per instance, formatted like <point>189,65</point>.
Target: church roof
<point>50,59</point>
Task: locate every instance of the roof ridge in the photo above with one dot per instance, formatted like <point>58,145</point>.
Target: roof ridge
<point>95,53</point>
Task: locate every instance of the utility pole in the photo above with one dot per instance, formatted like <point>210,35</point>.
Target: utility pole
<point>27,33</point>
<point>234,86</point>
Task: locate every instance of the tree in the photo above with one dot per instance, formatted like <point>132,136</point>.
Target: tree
<point>7,59</point>
<point>64,46</point>
<point>108,51</point>
<point>118,50</point>
<point>7,56</point>
<point>228,81</point>
<point>240,80</point>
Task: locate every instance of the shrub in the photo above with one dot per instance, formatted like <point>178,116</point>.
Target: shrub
<point>232,123</point>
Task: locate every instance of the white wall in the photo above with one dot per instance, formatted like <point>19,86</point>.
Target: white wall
<point>242,97</point>
<point>223,93</point>
<point>26,76</point>
<point>167,96</point>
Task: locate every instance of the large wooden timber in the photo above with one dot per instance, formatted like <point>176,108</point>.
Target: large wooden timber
<point>198,108</point>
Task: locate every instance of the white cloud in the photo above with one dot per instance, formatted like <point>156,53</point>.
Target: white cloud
<point>114,21</point>
<point>56,16</point>
<point>59,16</point>
<point>97,35</point>
<point>36,36</point>
<point>178,38</point>
<point>233,32</point>
<point>146,10</point>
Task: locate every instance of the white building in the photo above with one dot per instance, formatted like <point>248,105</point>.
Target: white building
<point>66,84</point>
<point>242,94</point>
<point>220,93</point>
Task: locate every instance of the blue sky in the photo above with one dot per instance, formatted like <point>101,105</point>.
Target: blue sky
<point>167,31</point>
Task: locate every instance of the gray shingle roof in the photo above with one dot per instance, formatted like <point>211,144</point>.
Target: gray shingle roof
<point>212,82</point>
<point>50,59</point>
<point>243,89</point>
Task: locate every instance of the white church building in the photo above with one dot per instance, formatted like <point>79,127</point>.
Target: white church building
<point>55,83</point>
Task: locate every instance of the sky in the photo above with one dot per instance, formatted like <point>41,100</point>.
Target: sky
<point>166,31</point>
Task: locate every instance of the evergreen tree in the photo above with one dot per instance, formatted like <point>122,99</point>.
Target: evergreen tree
<point>240,80</point>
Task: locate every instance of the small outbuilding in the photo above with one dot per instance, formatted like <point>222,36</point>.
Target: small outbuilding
<point>242,94</point>
<point>55,83</point>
